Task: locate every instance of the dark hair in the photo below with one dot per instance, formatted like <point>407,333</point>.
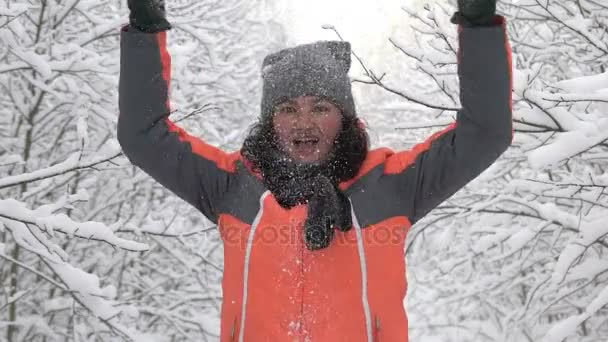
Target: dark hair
<point>261,148</point>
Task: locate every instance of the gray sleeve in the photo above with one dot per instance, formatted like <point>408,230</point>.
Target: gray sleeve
<point>434,170</point>
<point>195,171</point>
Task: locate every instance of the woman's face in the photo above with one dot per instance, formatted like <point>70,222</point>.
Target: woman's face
<point>307,127</point>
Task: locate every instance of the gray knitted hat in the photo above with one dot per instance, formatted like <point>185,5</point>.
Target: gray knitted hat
<point>316,69</point>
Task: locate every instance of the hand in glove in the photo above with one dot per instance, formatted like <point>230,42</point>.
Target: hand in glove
<point>475,13</point>
<point>148,15</point>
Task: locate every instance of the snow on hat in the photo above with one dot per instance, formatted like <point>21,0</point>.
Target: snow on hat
<point>315,69</point>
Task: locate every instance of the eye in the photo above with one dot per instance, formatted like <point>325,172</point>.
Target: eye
<point>286,109</point>
<point>321,108</point>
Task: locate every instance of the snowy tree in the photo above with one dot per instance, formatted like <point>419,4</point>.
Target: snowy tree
<point>91,248</point>
<point>520,253</point>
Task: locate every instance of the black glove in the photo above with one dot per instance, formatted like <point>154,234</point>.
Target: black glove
<point>475,13</point>
<point>148,15</point>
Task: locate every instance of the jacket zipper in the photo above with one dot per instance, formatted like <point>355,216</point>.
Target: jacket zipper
<point>376,329</point>
<point>248,251</point>
<point>369,320</point>
<point>301,326</point>
<point>233,331</point>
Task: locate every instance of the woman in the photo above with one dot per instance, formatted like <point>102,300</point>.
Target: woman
<point>313,223</point>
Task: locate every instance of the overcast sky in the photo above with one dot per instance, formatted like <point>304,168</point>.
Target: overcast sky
<point>366,24</point>
<point>362,22</point>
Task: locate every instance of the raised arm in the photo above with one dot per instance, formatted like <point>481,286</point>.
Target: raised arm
<point>434,170</point>
<point>194,170</point>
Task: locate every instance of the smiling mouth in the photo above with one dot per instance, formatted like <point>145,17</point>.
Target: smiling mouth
<point>308,141</point>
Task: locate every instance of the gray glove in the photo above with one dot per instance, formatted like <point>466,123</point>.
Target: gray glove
<point>148,15</point>
<point>475,13</point>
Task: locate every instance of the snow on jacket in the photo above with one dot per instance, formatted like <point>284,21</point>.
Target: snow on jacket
<point>274,289</point>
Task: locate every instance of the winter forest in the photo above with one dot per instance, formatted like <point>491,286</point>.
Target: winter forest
<point>92,249</point>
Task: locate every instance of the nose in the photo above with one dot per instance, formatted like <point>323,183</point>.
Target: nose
<point>304,119</point>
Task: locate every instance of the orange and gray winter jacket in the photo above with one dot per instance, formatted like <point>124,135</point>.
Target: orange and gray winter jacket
<point>275,289</point>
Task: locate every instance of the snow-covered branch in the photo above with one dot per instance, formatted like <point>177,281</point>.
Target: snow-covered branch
<point>72,163</point>
<point>49,222</point>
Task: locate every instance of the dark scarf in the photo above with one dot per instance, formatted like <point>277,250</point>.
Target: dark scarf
<point>328,207</point>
